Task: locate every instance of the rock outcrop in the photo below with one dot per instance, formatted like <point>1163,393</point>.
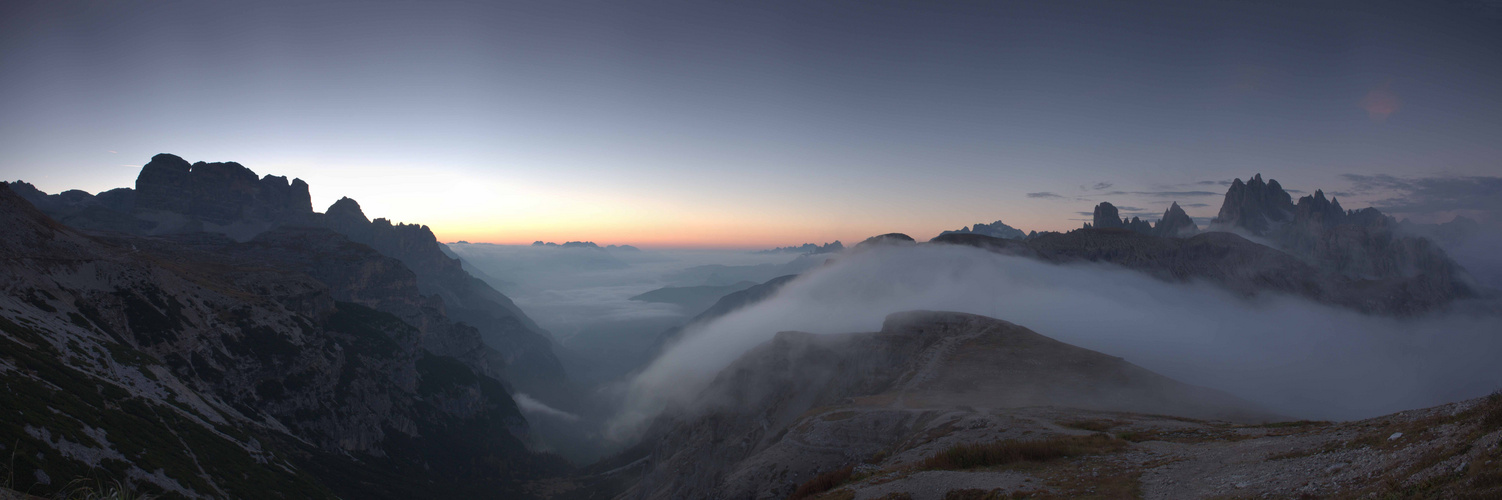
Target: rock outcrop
<point>1106,217</point>
<point>226,197</point>
<point>1175,223</point>
<point>1255,206</point>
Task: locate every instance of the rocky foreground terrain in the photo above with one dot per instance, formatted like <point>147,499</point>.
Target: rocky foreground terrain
<point>956,406</point>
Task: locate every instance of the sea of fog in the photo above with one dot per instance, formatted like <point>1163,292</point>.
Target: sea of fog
<point>1295,357</point>
<point>582,295</point>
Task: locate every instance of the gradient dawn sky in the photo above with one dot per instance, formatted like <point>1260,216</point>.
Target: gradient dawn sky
<point>749,124</point>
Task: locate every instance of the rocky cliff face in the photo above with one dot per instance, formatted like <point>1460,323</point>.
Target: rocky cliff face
<point>1255,206</point>
<point>1106,216</point>
<point>174,196</point>
<point>219,369</point>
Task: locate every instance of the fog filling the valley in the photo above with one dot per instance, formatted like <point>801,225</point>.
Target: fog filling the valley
<point>579,291</point>
<point>1295,357</point>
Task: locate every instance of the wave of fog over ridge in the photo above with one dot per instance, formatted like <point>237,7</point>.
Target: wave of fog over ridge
<point>1296,357</point>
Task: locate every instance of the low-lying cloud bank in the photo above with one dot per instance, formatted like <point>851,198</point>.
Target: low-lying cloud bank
<point>1296,357</point>
<point>534,407</point>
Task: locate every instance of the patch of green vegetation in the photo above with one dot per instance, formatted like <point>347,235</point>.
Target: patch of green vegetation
<point>823,483</point>
<point>128,355</point>
<point>263,343</point>
<point>150,325</point>
<point>837,415</point>
<point>374,330</point>
<point>28,335</point>
<point>79,320</point>
<point>971,456</point>
<point>92,314</point>
<point>40,303</point>
<point>1480,479</point>
<point>1295,424</point>
<point>979,494</point>
<point>99,489</point>
<point>1091,425</point>
<point>148,435</point>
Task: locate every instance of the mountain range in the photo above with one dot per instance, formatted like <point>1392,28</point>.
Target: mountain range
<point>995,230</point>
<point>196,366</point>
<point>206,334</point>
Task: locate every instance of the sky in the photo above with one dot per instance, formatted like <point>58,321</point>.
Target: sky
<point>753,124</point>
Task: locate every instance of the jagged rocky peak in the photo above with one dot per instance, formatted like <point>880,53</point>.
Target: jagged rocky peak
<point>1317,209</point>
<point>346,217</point>
<point>348,208</point>
<point>1255,206</point>
<point>1106,216</point>
<point>220,193</point>
<point>1175,223</point>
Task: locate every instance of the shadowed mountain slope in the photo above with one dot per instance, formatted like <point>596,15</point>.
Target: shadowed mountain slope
<point>173,197</point>
<point>216,369</point>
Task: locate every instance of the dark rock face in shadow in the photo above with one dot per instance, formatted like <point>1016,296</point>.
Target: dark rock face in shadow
<point>298,363</point>
<point>220,193</point>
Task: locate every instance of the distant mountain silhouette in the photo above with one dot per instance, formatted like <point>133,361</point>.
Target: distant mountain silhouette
<point>808,248</point>
<point>995,230</point>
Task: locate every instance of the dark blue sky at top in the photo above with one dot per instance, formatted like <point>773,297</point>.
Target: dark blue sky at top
<point>791,119</point>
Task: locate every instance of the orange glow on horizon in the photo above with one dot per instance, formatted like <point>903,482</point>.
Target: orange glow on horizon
<point>697,234</point>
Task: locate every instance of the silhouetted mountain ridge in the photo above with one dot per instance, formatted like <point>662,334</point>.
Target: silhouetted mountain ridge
<point>173,196</point>
<point>298,362</point>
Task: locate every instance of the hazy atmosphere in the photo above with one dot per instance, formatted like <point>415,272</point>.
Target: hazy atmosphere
<point>726,123</point>
<point>804,250</point>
